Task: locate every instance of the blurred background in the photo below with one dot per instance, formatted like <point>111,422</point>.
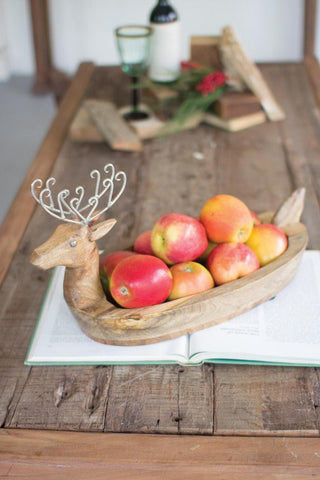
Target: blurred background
<point>79,30</point>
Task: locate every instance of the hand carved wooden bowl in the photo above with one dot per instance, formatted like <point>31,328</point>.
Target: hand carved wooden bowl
<point>117,326</point>
<point>74,246</point>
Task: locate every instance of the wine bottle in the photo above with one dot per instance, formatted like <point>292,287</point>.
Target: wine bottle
<point>165,43</point>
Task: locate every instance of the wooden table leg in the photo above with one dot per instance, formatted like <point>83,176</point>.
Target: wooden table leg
<point>47,78</point>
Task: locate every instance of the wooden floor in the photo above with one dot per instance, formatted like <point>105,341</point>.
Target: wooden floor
<point>261,166</point>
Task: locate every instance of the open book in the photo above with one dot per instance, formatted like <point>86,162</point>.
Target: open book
<point>284,330</point>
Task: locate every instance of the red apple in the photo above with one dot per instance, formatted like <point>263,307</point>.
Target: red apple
<point>226,219</point>
<point>178,238</point>
<point>229,261</point>
<point>268,242</point>
<point>109,263</point>
<point>142,243</point>
<point>189,278</point>
<point>140,281</point>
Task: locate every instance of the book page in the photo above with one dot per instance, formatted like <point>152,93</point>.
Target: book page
<point>59,339</point>
<point>284,329</point>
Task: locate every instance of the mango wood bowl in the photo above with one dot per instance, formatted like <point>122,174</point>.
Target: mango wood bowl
<point>74,245</point>
<point>109,324</point>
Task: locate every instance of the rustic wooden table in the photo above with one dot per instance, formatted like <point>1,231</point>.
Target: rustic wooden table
<point>248,421</point>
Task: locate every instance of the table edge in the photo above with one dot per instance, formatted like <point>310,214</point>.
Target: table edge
<point>142,452</point>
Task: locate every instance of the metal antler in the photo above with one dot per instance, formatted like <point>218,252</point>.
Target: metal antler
<point>68,208</point>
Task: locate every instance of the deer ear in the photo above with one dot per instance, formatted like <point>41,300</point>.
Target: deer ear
<point>99,230</point>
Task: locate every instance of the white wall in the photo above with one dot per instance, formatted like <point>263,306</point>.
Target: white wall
<point>17,25</point>
<point>270,30</point>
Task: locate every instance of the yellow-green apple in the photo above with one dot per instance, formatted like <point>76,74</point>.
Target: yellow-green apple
<point>229,261</point>
<point>204,257</point>
<point>140,281</point>
<point>268,242</point>
<point>226,219</point>
<point>142,243</point>
<point>109,263</point>
<point>256,219</point>
<point>189,278</point>
<point>178,238</point>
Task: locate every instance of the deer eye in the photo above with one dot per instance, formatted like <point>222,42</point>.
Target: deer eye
<point>73,243</point>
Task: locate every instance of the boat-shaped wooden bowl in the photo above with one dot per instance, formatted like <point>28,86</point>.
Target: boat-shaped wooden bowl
<point>107,323</point>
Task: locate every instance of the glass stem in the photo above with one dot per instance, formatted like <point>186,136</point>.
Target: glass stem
<point>135,96</point>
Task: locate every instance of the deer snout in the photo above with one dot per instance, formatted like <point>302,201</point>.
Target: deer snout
<point>37,259</point>
<point>43,257</point>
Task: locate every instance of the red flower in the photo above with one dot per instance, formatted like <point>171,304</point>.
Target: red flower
<point>188,65</point>
<point>210,82</point>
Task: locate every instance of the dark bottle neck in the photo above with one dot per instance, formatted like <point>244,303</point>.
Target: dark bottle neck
<point>163,12</point>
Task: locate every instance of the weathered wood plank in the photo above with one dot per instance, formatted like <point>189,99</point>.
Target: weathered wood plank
<point>272,400</point>
<point>118,134</point>
<point>195,387</point>
<point>83,128</point>
<point>179,173</point>
<point>157,410</point>
<point>300,139</point>
<point>71,398</point>
<point>83,455</point>
<point>167,395</point>
<point>12,381</point>
<point>252,166</point>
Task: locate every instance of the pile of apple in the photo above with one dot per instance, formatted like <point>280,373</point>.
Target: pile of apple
<point>183,255</point>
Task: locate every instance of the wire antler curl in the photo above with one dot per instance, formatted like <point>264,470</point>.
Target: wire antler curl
<point>68,208</point>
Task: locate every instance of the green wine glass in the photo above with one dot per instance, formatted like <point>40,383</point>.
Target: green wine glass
<point>133,42</point>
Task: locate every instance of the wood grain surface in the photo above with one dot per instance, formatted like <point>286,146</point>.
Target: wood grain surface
<point>115,130</point>
<point>261,165</point>
<point>65,455</point>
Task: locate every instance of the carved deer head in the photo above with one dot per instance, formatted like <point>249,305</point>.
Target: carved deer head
<point>70,245</point>
<point>73,244</point>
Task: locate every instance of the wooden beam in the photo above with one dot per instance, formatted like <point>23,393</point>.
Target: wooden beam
<point>310,9</point>
<point>119,456</point>
<point>21,210</point>
<point>41,45</point>
<point>313,70</point>
<point>47,78</point>
<point>114,129</point>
